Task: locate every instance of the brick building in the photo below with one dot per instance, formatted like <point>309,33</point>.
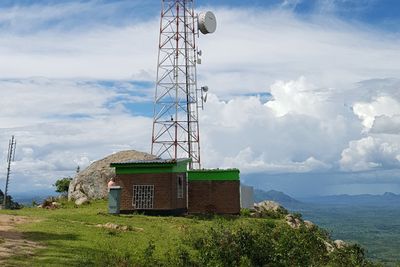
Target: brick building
<point>167,187</point>
<point>214,191</point>
<point>153,186</point>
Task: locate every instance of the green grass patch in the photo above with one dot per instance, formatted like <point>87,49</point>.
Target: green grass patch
<point>72,237</point>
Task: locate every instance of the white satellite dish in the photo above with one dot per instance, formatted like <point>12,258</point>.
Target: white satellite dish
<point>204,89</point>
<point>207,22</point>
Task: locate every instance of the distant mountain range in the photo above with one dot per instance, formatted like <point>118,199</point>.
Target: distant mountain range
<point>386,199</point>
<point>277,196</point>
<point>35,195</point>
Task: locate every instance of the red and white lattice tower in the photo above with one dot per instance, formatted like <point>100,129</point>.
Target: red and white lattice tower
<point>177,98</point>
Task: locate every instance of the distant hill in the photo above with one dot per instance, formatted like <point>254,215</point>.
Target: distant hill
<point>38,196</point>
<point>386,199</point>
<point>277,196</point>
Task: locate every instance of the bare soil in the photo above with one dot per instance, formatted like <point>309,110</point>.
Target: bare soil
<point>12,242</point>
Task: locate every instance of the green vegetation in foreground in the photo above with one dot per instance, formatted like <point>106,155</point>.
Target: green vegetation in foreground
<point>72,238</point>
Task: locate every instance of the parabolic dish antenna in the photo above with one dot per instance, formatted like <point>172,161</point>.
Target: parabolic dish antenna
<point>207,22</point>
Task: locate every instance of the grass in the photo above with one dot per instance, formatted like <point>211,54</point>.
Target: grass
<point>71,237</point>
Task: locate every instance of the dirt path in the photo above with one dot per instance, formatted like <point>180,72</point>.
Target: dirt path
<point>13,242</point>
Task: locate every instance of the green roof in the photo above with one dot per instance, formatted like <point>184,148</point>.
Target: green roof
<point>151,166</point>
<point>214,175</point>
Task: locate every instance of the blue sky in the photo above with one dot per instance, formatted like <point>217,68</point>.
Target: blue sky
<point>383,14</point>
<point>301,92</point>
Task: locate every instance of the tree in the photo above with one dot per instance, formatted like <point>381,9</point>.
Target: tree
<point>10,203</point>
<point>62,185</point>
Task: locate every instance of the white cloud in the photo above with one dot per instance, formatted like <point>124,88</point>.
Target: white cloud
<point>383,105</point>
<point>370,153</point>
<point>242,56</point>
<point>50,142</point>
<point>290,3</point>
<point>62,121</point>
<point>247,162</point>
<point>251,134</point>
<point>380,116</point>
<point>249,55</point>
<point>297,97</point>
<point>386,125</point>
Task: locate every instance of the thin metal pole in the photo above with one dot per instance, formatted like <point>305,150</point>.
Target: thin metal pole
<point>10,158</point>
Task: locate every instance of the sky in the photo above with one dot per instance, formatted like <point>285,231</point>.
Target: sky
<point>304,94</point>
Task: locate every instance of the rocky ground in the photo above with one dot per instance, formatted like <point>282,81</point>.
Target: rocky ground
<point>12,242</point>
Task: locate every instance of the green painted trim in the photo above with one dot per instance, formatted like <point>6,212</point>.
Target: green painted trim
<point>214,175</point>
<point>141,168</point>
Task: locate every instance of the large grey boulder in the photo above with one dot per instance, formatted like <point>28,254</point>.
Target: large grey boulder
<point>91,183</point>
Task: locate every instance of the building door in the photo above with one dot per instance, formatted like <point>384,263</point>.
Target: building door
<point>143,197</point>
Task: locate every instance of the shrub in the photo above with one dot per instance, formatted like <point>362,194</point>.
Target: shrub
<point>264,243</point>
<point>351,255</point>
<point>245,212</point>
<point>62,185</point>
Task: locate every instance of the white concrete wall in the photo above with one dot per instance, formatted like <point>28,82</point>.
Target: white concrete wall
<point>246,197</point>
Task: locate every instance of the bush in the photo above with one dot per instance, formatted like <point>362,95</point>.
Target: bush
<point>248,243</point>
<point>351,255</point>
<point>62,185</point>
<point>245,212</point>
<point>266,244</point>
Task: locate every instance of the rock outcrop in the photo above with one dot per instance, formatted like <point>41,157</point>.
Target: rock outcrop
<point>340,244</point>
<point>268,209</point>
<point>293,222</point>
<point>91,183</point>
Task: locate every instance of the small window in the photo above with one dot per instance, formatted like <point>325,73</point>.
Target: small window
<point>180,186</point>
<point>143,196</point>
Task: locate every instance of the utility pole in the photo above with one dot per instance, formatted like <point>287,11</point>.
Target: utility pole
<point>10,158</point>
